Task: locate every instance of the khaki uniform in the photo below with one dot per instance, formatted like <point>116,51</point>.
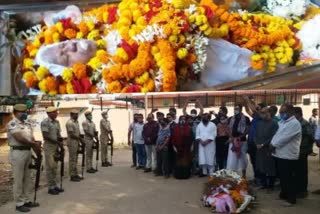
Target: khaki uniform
<point>105,128</point>
<point>73,129</point>
<point>20,161</point>
<point>89,129</point>
<point>52,128</point>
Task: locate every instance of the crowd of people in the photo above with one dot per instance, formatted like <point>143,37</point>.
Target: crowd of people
<point>278,145</point>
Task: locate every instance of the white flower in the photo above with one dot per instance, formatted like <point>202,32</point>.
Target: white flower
<point>158,80</point>
<point>113,39</point>
<point>192,8</point>
<point>31,33</point>
<point>309,35</point>
<point>200,44</point>
<point>149,34</point>
<point>287,8</point>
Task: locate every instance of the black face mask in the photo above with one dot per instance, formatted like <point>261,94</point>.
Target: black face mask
<point>205,120</point>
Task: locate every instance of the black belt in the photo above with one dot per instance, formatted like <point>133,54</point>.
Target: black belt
<point>21,147</point>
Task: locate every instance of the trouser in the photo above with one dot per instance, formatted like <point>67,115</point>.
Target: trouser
<point>267,181</point>
<point>141,153</point>
<point>134,154</point>
<point>51,164</point>
<point>151,156</point>
<point>195,161</point>
<point>171,158</point>
<point>104,149</point>
<point>222,152</point>
<point>89,152</point>
<point>302,174</point>
<point>288,179</point>
<point>20,162</point>
<point>252,151</point>
<point>163,162</point>
<point>73,156</point>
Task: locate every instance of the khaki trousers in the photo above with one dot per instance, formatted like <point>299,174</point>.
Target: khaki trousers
<point>89,152</point>
<point>51,164</point>
<point>73,156</point>
<point>104,148</point>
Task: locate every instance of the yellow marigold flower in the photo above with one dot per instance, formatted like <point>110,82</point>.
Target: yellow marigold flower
<point>59,27</point>
<point>94,63</point>
<point>43,86</point>
<point>173,39</point>
<point>27,63</point>
<point>208,32</point>
<point>180,4</point>
<point>204,27</point>
<point>36,43</point>
<point>42,72</point>
<point>154,50</point>
<point>182,53</point>
<point>256,57</point>
<point>101,43</point>
<point>146,8</point>
<point>69,88</point>
<point>56,37</point>
<point>67,74</point>
<point>122,54</point>
<point>124,21</point>
<point>105,17</point>
<point>134,6</point>
<point>27,75</point>
<point>79,35</point>
<point>93,34</point>
<point>33,53</point>
<point>90,25</point>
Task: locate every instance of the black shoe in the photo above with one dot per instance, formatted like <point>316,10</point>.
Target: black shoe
<point>148,170</point>
<point>31,204</point>
<point>80,177</point>
<point>133,166</point>
<point>91,171</point>
<point>139,167</point>
<point>202,175</point>
<point>104,165</point>
<point>53,192</point>
<point>23,209</point>
<point>313,154</point>
<point>109,164</point>
<point>302,195</point>
<point>59,189</point>
<point>317,192</point>
<point>74,179</point>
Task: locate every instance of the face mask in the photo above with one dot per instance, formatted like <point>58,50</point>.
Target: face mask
<point>182,122</point>
<point>224,120</point>
<point>284,116</point>
<point>193,115</point>
<point>89,117</point>
<point>23,116</point>
<point>236,112</point>
<point>205,120</point>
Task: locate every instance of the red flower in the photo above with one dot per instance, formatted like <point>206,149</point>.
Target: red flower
<point>66,23</point>
<point>148,16</point>
<point>209,13</point>
<point>155,4</point>
<point>112,14</point>
<point>130,49</point>
<point>81,86</point>
<point>133,89</point>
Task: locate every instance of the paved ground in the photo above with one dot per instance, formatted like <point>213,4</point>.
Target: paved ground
<point>122,190</point>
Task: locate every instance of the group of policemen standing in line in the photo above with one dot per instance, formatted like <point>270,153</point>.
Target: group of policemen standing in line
<point>21,141</point>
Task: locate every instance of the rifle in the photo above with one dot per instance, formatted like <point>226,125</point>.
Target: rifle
<point>111,144</point>
<point>81,150</point>
<point>37,160</point>
<point>60,157</point>
<point>96,147</point>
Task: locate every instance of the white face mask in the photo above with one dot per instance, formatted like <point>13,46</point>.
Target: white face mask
<point>236,112</point>
<point>193,115</point>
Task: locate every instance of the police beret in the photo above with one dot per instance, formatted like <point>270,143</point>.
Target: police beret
<point>74,111</point>
<point>51,109</point>
<point>87,113</point>
<point>20,107</point>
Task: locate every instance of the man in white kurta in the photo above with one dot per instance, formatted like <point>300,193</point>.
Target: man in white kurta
<point>205,135</point>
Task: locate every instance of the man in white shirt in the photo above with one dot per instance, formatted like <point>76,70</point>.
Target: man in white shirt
<point>130,140</point>
<point>313,120</point>
<point>205,135</point>
<point>286,148</point>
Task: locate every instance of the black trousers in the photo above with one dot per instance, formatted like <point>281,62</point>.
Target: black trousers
<point>302,174</point>
<point>134,154</point>
<point>288,179</point>
<point>163,162</point>
<point>222,152</point>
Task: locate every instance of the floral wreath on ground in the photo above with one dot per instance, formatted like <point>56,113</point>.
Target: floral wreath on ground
<point>226,192</point>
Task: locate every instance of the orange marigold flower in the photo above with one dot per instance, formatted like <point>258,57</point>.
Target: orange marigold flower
<point>114,87</point>
<point>51,83</point>
<point>83,28</point>
<point>63,89</point>
<point>70,33</point>
<point>79,70</point>
<point>31,81</point>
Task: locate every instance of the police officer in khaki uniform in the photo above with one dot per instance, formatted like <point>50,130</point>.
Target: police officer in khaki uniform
<point>51,132</point>
<point>105,138</point>
<point>89,129</point>
<point>21,140</point>
<point>73,131</point>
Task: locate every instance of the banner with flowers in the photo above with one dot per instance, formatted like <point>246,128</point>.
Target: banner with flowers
<point>156,45</point>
